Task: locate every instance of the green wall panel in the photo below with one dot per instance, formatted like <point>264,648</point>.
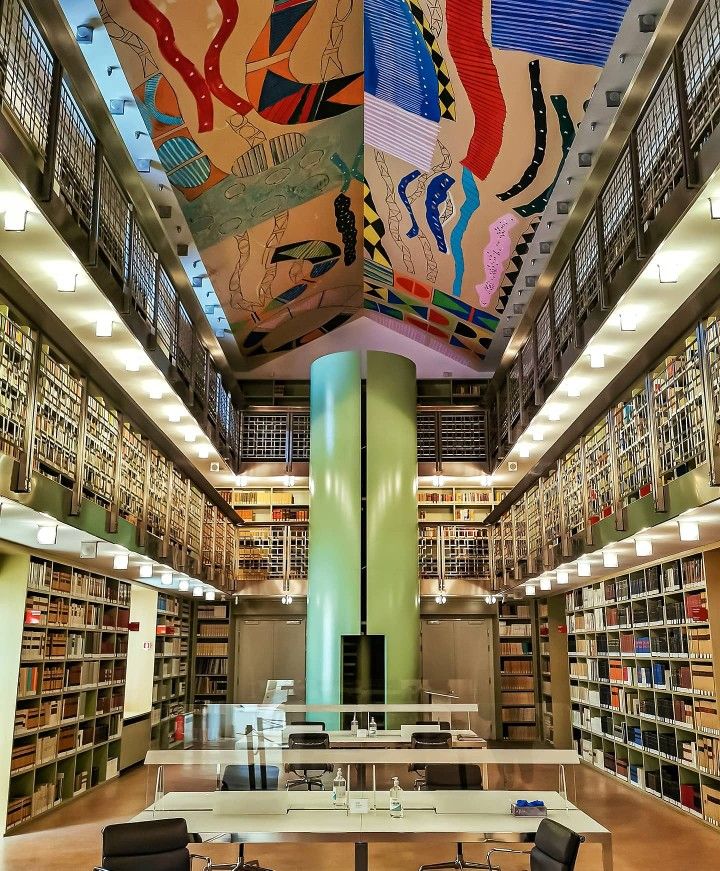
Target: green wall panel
<point>333,607</point>
<point>393,597</point>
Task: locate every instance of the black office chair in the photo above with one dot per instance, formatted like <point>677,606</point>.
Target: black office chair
<point>307,775</point>
<point>427,741</point>
<point>450,776</point>
<point>247,778</point>
<point>443,724</point>
<point>157,844</point>
<point>556,848</point>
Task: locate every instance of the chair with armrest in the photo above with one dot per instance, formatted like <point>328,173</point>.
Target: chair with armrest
<point>306,775</point>
<point>556,848</point>
<point>453,776</point>
<point>427,741</point>
<point>247,778</point>
<point>443,724</point>
<point>157,844</point>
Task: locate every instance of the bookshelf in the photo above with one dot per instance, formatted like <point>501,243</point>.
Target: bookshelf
<point>133,472</point>
<point>71,687</point>
<point>102,431</point>
<point>170,677</point>
<point>16,351</point>
<point>642,684</point>
<point>270,504</point>
<point>516,661</point>
<point>546,701</point>
<point>461,504</point>
<point>158,493</point>
<point>212,638</point>
<point>178,509</point>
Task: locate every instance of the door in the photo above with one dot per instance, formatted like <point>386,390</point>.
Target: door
<point>457,658</point>
<point>269,650</point>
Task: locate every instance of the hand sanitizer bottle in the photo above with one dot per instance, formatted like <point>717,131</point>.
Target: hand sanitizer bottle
<point>396,799</point>
<point>339,790</point>
<point>372,728</point>
<point>354,725</point>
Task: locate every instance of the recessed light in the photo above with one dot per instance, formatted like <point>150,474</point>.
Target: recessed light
<point>203,452</point>
<point>120,560</point>
<point>597,359</point>
<point>643,547</point>
<point>15,219</point>
<point>174,415</point>
<point>197,591</point>
<point>241,480</point>
<point>156,390</point>
<point>563,576</point>
<point>668,272</point>
<point>88,549</point>
<point>689,530</point>
<point>104,326</point>
<point>714,208</point>
<point>67,283</point>
<point>166,578</point>
<point>537,434</point>
<point>545,584</point>
<point>573,388</point>
<point>46,534</point>
<point>289,481</point>
<point>628,321</point>
<point>610,559</point>
<point>554,412</point>
<point>184,585</point>
<point>584,569</point>
<point>523,451</point>
<point>530,589</point>
<point>210,596</point>
<point>133,361</point>
<point>190,436</point>
<point>145,570</point>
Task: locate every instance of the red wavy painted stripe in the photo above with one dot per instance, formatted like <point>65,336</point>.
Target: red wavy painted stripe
<point>213,76</point>
<point>186,68</point>
<point>473,59</point>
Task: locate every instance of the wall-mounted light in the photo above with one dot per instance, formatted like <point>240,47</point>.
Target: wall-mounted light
<point>46,534</point>
<point>289,481</point>
<point>287,599</point>
<point>643,547</point>
<point>440,599</point>
<point>67,283</point>
<point>563,576</point>
<point>104,327</point>
<point>545,584</point>
<point>485,480</point>
<point>438,480</point>
<point>241,480</point>
<point>584,569</point>
<point>197,591</point>
<point>15,219</point>
<point>166,579</point>
<point>714,208</point>
<point>120,561</point>
<point>689,530</point>
<point>88,549</point>
<point>184,585</point>
<point>610,559</point>
<point>145,570</point>
<point>597,359</point>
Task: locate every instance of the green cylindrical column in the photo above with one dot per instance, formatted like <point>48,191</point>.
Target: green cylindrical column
<point>333,608</point>
<point>393,598</point>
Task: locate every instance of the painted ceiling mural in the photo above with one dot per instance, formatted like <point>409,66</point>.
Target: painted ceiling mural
<point>410,195</point>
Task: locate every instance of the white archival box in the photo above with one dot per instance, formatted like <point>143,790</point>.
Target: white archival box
<point>406,732</point>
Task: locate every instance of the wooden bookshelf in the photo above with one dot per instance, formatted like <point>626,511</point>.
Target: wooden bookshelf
<point>171,671</point>
<point>158,494</point>
<point>270,504</point>
<point>462,504</point>
<point>211,653</point>
<point>642,683</point>
<point>133,474</point>
<point>544,674</point>
<point>16,351</point>
<point>517,672</point>
<point>102,432</point>
<point>71,688</point>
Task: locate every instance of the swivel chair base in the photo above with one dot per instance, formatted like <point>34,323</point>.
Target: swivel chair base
<point>460,862</point>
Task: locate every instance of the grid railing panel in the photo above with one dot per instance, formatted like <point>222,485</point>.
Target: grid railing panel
<point>114,221</point>
<point>677,387</point>
<point>544,345</point>
<point>223,402</point>
<point>466,552</point>
<point>199,362</point>
<point>212,390</point>
<point>428,551</point>
<point>165,319</point>
<point>508,546</point>
<point>264,436</point>
<point>514,397</point>
<point>599,472</point>
<point>463,436</point>
<point>183,342</point>
<point>572,486</point>
<point>527,356</point>
<point>563,308</point>
<point>659,148</point>
<point>26,65</point>
<point>618,218</point>
<point>700,50</point>
<point>75,159</point>
<point>632,445</point>
<point>587,269</point>
<point>298,543</point>
<point>142,274</point>
<point>300,427</point>
<point>426,436</point>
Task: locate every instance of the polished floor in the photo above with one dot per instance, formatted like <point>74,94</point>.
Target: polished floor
<point>647,835</point>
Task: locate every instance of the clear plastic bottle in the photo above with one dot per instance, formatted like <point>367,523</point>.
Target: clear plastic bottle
<point>354,725</point>
<point>339,790</point>
<point>372,728</point>
<point>396,799</point>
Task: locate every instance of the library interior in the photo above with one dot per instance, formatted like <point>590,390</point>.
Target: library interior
<point>410,569</point>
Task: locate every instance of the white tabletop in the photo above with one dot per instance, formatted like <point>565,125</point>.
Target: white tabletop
<point>439,707</point>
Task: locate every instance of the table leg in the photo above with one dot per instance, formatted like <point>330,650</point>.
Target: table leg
<point>607,857</point>
<point>361,856</point>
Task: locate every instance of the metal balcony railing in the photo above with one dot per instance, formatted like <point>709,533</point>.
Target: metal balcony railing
<point>39,101</point>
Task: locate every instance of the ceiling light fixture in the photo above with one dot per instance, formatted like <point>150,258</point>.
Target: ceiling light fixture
<point>523,451</point>
<point>689,530</point>
<point>210,596</point>
<point>241,480</point>
<point>15,219</point>
<point>597,359</point>
<point>88,549</point>
<point>643,547</point>
<point>289,480</point>
<point>628,321</point>
<point>133,361</point>
<point>563,576</point>
<point>203,452</point>
<point>714,208</point>
<point>530,589</point>
<point>120,561</point>
<point>545,584</point>
<point>174,415</point>
<point>67,283</point>
<point>584,569</point>
<point>485,480</point>
<point>573,388</point>
<point>554,413</point>
<point>166,579</point>
<point>537,434</point>
<point>438,480</point>
<point>46,534</point>
<point>668,272</point>
<point>184,585</point>
<point>104,326</point>
<point>145,570</point>
<point>197,591</point>
<point>190,436</point>
<point>156,390</point>
<point>610,559</point>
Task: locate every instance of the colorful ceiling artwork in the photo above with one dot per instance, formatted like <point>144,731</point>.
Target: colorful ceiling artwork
<point>443,154</point>
<point>471,107</point>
